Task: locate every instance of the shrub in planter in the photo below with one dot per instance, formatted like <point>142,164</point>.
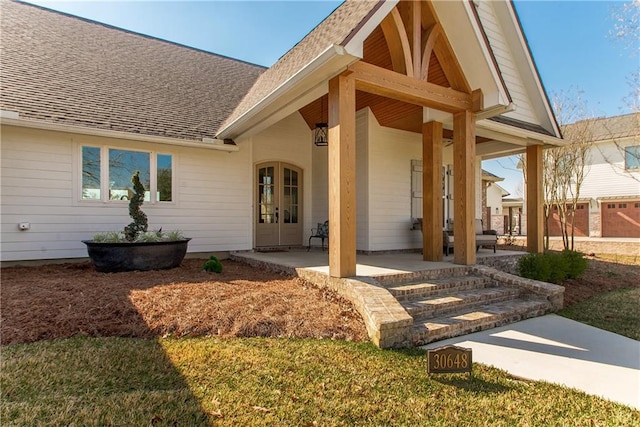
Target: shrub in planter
<point>136,248</point>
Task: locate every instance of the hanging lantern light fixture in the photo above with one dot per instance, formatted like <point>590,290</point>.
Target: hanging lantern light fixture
<point>321,135</point>
<point>321,132</point>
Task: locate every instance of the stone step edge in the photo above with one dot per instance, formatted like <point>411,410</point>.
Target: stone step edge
<point>440,287</point>
<point>421,335</point>
<point>481,297</point>
<point>388,280</point>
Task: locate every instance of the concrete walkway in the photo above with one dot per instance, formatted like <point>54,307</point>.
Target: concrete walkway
<point>559,350</point>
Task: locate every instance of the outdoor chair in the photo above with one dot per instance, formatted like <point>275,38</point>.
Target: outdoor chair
<point>485,237</point>
<point>447,241</point>
<point>320,232</point>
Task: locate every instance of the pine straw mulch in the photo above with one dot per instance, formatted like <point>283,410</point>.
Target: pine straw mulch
<point>64,300</point>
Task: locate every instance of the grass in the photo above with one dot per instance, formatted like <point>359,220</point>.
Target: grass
<point>261,381</point>
<point>616,311</point>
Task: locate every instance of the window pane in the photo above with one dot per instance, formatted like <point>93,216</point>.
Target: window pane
<point>122,165</point>
<point>91,173</point>
<point>164,178</point>
<point>632,157</point>
<point>266,211</point>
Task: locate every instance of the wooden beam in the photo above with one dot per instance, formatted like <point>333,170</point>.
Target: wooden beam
<point>535,217</point>
<point>464,186</point>
<point>414,30</point>
<point>383,82</point>
<point>432,191</point>
<point>398,43</point>
<point>342,176</point>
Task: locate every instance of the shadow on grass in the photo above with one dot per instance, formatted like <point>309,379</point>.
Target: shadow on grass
<point>470,383</point>
<point>465,381</point>
<point>53,373</point>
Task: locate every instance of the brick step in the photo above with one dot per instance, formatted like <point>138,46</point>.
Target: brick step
<point>411,291</point>
<point>477,319</point>
<point>454,301</point>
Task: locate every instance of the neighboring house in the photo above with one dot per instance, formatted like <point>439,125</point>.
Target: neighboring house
<point>514,220</point>
<point>227,148</point>
<point>492,194</point>
<point>609,203</point>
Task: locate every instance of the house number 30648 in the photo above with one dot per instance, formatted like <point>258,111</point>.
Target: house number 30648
<point>449,359</point>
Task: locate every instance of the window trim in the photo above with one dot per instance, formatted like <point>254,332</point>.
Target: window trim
<point>637,155</point>
<point>104,175</point>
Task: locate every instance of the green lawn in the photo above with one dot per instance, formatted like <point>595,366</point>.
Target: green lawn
<point>615,311</point>
<point>257,381</point>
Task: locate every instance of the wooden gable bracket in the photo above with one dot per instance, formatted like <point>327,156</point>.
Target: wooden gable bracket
<point>393,30</point>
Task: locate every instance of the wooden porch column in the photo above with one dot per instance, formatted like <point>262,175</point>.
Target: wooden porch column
<point>464,183</point>
<point>535,216</point>
<point>342,177</point>
<point>432,191</point>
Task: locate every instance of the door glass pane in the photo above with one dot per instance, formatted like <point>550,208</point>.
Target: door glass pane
<point>266,208</point>
<point>290,196</point>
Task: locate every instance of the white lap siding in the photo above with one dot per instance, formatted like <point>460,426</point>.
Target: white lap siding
<point>41,186</point>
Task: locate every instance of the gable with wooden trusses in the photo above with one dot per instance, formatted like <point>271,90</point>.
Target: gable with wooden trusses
<point>449,45</point>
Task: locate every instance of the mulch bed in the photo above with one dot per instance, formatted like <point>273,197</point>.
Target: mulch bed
<point>64,300</point>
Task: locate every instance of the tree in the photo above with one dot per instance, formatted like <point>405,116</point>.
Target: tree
<point>626,26</point>
<point>565,167</point>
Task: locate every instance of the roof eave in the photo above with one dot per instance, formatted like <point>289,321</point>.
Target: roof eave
<point>14,120</point>
<point>328,64</point>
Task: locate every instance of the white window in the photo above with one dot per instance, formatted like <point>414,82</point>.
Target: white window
<point>632,157</point>
<point>107,171</point>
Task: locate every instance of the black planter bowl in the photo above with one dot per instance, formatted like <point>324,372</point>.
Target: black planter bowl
<point>116,257</point>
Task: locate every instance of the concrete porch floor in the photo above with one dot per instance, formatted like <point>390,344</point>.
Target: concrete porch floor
<point>366,265</point>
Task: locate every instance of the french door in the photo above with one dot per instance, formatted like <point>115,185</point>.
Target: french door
<point>279,205</point>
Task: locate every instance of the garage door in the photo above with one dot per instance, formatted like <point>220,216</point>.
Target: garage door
<point>581,220</point>
<point>621,219</point>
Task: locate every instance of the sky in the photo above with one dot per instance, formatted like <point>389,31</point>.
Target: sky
<point>570,41</point>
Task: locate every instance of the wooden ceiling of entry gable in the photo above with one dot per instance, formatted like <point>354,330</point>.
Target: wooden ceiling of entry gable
<point>388,112</point>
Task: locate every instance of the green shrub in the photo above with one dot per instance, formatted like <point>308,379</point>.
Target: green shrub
<point>577,264</point>
<point>552,267</point>
<point>213,265</point>
<point>558,267</point>
<point>140,222</point>
<point>534,266</point>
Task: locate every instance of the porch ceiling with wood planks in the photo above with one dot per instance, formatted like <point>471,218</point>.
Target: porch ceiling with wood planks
<point>377,51</point>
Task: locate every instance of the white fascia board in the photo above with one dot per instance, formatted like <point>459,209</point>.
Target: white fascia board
<point>355,46</point>
<point>523,54</point>
<point>328,64</point>
<point>503,98</point>
<point>502,132</point>
<point>106,133</point>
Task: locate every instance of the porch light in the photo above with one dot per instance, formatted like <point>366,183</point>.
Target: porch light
<point>321,135</point>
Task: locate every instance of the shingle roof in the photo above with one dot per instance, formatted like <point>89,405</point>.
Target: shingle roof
<point>68,70</point>
<point>334,30</point>
<point>608,128</point>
